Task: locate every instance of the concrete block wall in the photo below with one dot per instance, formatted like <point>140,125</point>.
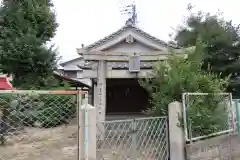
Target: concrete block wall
<point>221,147</point>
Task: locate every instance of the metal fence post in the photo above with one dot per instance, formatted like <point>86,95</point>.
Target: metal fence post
<point>190,130</point>
<point>134,139</point>
<point>3,126</point>
<point>185,114</point>
<point>167,137</point>
<point>86,126</point>
<point>79,104</point>
<point>234,127</point>
<point>237,115</point>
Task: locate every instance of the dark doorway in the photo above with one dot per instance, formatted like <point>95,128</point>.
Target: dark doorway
<point>125,96</point>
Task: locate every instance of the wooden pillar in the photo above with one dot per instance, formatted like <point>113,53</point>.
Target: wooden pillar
<point>101,90</point>
<point>92,92</point>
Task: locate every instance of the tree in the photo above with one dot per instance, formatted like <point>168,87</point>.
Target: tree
<point>178,75</point>
<point>26,27</point>
<point>222,53</point>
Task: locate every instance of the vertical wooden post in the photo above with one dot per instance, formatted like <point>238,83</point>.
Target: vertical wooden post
<point>95,95</point>
<point>101,84</point>
<point>101,99</point>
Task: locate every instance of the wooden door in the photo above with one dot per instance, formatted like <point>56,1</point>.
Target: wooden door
<point>126,97</point>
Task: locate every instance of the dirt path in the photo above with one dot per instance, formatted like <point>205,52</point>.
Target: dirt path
<point>42,144</point>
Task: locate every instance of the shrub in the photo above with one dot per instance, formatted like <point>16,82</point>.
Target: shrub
<point>207,114</point>
<point>42,110</point>
<point>177,75</point>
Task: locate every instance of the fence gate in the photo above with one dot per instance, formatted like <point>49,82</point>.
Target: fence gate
<point>207,115</point>
<point>38,125</point>
<point>134,139</point>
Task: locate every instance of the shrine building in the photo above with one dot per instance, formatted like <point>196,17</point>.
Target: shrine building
<point>113,65</point>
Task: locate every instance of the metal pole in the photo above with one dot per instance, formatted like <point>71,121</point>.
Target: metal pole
<point>86,126</point>
<point>198,93</point>
<point>185,115</point>
<point>167,137</point>
<point>3,126</point>
<point>134,140</point>
<point>237,115</point>
<point>232,113</point>
<point>190,131</point>
<point>79,104</point>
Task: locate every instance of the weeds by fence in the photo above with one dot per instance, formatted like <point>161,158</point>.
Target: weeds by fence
<point>206,114</point>
<point>30,117</point>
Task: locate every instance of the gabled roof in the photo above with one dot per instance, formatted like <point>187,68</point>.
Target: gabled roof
<point>121,31</point>
<point>72,60</point>
<point>74,81</point>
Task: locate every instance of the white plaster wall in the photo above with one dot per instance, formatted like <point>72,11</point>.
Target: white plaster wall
<point>86,81</point>
<point>130,48</point>
<point>73,65</point>
<point>82,79</point>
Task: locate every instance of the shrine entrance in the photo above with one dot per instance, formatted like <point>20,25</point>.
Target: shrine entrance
<point>125,97</point>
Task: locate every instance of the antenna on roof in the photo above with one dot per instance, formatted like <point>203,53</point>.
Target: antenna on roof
<point>130,10</point>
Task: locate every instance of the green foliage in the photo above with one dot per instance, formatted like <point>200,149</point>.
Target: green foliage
<point>222,52</point>
<point>44,83</point>
<point>177,75</point>
<point>207,114</point>
<point>56,110</point>
<point>44,110</point>
<point>26,27</point>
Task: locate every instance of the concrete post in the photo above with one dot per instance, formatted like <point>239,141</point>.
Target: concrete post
<point>91,132</point>
<point>176,134</point>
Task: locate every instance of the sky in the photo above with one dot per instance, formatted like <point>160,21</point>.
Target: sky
<point>86,21</point>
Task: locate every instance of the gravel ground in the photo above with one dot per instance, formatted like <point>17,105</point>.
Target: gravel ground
<point>42,144</point>
<point>58,143</point>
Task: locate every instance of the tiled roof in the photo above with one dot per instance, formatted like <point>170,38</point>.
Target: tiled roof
<point>122,30</point>
<point>66,62</point>
<point>71,80</point>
